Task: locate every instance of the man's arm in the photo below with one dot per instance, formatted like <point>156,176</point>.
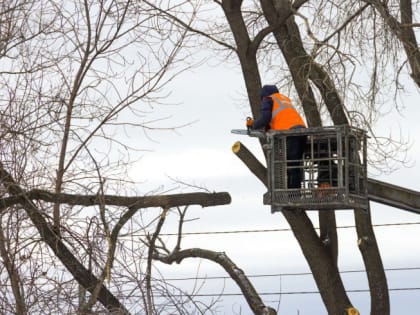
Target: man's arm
<point>264,121</point>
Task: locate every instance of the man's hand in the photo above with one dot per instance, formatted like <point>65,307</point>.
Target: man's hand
<point>249,123</point>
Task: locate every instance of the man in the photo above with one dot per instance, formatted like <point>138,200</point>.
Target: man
<point>278,113</point>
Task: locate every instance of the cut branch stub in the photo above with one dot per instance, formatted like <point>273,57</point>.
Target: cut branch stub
<point>255,166</point>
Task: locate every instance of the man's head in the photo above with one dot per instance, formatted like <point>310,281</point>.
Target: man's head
<point>268,90</point>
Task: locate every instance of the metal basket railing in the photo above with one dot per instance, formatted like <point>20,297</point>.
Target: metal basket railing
<point>332,168</point>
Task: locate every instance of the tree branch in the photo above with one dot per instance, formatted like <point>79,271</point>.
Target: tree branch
<point>281,19</point>
<point>80,273</point>
<point>237,275</point>
<point>345,23</point>
<point>405,34</point>
<point>151,250</point>
<point>73,265</point>
<point>15,279</point>
<point>189,27</point>
<point>250,161</point>
<point>134,203</point>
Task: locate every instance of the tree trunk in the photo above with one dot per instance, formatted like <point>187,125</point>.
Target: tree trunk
<point>246,53</point>
<point>322,265</point>
<point>303,67</point>
<point>290,43</point>
<point>373,263</point>
<point>335,107</point>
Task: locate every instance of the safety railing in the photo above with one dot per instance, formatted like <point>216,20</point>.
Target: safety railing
<point>329,173</point>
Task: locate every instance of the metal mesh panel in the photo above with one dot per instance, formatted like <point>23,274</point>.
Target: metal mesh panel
<point>279,166</point>
<point>332,168</point>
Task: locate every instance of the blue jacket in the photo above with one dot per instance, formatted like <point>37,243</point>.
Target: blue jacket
<point>266,107</point>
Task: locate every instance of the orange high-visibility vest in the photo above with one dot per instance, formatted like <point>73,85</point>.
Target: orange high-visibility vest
<point>284,116</point>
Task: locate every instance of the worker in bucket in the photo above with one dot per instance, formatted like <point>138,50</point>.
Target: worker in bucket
<point>278,113</point>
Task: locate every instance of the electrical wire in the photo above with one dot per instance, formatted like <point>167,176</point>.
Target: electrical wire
<point>289,292</point>
<point>282,229</point>
<point>286,274</point>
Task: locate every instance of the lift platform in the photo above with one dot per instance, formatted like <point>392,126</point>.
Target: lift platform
<point>336,151</point>
<point>333,168</point>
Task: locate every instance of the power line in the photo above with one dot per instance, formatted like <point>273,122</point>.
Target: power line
<point>285,274</point>
<point>35,238</point>
<point>282,229</point>
<point>288,292</point>
<point>243,231</point>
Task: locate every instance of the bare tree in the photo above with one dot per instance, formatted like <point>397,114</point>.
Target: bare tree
<point>75,78</point>
<point>77,75</point>
<point>321,46</point>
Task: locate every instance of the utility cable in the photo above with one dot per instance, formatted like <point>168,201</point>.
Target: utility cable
<point>288,292</point>
<point>286,274</point>
<point>282,229</point>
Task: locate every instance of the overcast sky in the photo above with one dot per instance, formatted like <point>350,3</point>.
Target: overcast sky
<point>200,154</point>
